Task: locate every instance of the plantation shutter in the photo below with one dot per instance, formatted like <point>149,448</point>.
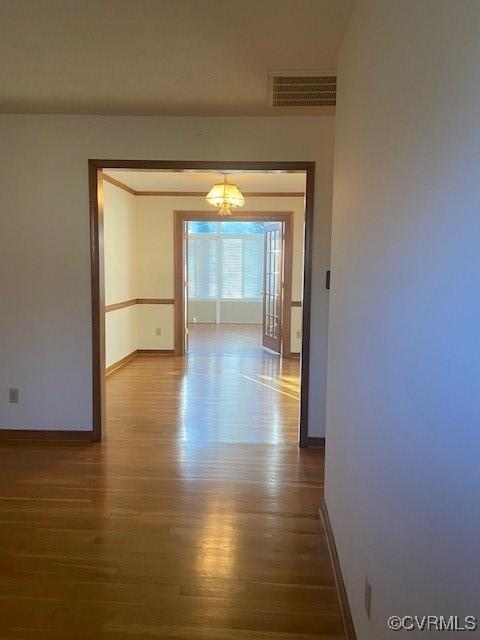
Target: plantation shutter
<point>252,267</point>
<point>202,268</point>
<point>242,267</point>
<point>223,266</point>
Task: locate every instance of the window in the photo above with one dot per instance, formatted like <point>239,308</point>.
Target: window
<point>250,228</point>
<point>242,260</point>
<point>202,226</point>
<point>225,260</point>
<point>202,268</point>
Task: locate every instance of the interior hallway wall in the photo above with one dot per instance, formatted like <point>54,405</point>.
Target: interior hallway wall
<point>402,470</point>
<point>45,241</point>
<point>120,247</point>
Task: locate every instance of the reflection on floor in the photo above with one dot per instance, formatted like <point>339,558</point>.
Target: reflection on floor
<point>254,377</point>
<point>226,339</point>
<point>195,519</point>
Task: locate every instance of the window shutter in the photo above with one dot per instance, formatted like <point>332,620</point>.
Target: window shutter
<point>239,261</point>
<point>252,267</point>
<point>202,268</point>
<point>232,267</point>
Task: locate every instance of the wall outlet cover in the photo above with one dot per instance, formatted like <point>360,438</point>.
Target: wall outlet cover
<point>13,395</point>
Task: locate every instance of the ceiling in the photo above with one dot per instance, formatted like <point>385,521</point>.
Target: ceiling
<point>180,57</point>
<point>203,181</point>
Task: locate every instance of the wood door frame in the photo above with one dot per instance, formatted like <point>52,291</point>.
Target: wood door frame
<point>95,168</point>
<point>181,217</point>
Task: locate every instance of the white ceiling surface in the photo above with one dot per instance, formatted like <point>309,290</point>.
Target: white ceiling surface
<point>202,182</point>
<point>178,57</point>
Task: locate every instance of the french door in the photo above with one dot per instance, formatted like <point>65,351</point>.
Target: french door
<point>272,286</point>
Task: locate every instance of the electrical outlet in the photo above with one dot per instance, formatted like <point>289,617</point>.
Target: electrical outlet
<point>13,396</point>
<point>367,597</point>
<point>299,334</point>
<point>158,331</point>
<point>194,319</point>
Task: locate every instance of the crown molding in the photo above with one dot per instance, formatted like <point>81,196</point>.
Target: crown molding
<point>201,194</point>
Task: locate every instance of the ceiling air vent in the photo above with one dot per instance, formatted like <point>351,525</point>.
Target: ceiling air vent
<point>302,89</point>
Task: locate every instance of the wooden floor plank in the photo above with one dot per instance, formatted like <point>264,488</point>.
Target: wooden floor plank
<point>195,519</point>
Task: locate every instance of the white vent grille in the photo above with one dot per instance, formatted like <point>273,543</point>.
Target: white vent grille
<point>303,90</point>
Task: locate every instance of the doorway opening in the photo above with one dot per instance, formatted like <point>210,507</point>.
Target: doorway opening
<point>234,284</point>
<point>247,276</point>
<point>235,280</point>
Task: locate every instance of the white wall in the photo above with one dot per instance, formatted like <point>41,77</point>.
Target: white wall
<point>120,334</point>
<point>229,311</point>
<point>154,317</point>
<point>45,241</point>
<point>202,311</point>
<point>403,426</point>
<point>243,311</point>
<point>120,252</point>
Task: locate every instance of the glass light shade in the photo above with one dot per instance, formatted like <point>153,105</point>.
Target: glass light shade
<point>225,197</point>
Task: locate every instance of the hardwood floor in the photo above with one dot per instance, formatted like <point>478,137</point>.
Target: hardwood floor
<point>225,339</point>
<point>195,519</point>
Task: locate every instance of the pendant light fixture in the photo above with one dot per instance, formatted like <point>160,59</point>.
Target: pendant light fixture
<point>225,196</point>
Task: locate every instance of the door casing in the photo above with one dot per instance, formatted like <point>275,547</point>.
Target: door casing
<point>180,220</point>
<point>95,168</point>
